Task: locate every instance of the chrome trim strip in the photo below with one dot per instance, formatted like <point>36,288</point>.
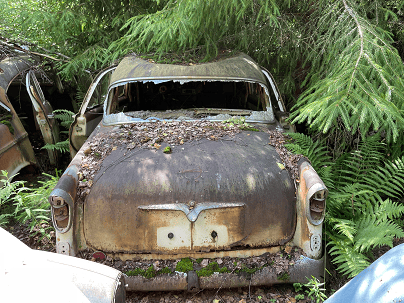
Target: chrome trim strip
<point>192,213</point>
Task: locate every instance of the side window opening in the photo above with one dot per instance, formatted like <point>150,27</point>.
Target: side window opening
<point>100,92</point>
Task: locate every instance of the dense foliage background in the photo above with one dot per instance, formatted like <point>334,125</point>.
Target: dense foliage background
<point>338,64</point>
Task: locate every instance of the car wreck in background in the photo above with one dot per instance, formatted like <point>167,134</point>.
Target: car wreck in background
<point>176,164</point>
<point>67,279</point>
<point>23,109</point>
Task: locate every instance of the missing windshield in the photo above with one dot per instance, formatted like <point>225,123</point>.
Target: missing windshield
<point>188,100</point>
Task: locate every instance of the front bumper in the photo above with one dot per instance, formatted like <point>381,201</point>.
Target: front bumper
<point>298,273</point>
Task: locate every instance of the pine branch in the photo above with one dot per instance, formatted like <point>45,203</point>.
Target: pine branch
<point>357,81</point>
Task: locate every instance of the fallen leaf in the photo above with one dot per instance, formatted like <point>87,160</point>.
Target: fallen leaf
<point>156,146</point>
<point>115,148</point>
<point>281,166</point>
<point>87,151</point>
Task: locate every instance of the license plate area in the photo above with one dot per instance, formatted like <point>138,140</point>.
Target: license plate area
<point>175,228</point>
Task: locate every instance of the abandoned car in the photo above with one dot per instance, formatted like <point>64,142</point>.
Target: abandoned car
<point>176,165</point>
<point>23,107</point>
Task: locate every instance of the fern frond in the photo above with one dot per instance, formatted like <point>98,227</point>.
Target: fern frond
<point>388,209</point>
<point>372,232</point>
<point>62,146</point>
<point>316,152</point>
<point>64,116</point>
<point>349,261</point>
<point>344,227</point>
<point>354,167</point>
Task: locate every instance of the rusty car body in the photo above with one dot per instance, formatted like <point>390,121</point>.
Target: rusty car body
<point>20,88</point>
<point>132,196</point>
<point>67,279</point>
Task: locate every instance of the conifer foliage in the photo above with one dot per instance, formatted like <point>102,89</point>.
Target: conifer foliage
<point>358,76</point>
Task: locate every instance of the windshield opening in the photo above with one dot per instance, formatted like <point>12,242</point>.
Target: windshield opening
<point>188,100</point>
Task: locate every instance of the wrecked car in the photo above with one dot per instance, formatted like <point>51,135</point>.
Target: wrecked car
<point>181,163</point>
<point>67,279</point>
<point>23,107</point>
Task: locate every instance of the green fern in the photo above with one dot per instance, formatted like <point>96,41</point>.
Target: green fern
<point>362,206</point>
<point>62,146</point>
<point>373,232</point>
<point>64,116</point>
<point>349,261</point>
<point>356,237</point>
<point>315,151</point>
<point>31,206</point>
<point>7,190</point>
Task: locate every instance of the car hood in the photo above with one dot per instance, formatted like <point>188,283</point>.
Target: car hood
<point>205,195</point>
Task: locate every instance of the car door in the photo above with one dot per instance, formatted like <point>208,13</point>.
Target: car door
<point>43,115</point>
<point>91,110</point>
<point>15,148</point>
<point>277,102</point>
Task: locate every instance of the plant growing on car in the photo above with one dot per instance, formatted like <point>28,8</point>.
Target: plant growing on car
<point>239,121</point>
<point>66,118</point>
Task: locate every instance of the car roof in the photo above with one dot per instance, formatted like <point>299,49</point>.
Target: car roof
<point>11,67</point>
<point>238,68</point>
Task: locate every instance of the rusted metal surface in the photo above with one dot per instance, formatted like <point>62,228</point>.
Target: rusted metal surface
<point>239,68</point>
<point>298,273</point>
<point>308,233</point>
<point>177,281</point>
<point>15,149</point>
<point>86,120</point>
<point>44,116</point>
<point>233,253</point>
<point>116,218</point>
<point>63,197</point>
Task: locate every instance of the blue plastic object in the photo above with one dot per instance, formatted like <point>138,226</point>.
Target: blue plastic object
<point>382,281</point>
